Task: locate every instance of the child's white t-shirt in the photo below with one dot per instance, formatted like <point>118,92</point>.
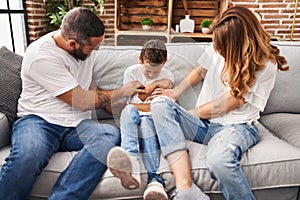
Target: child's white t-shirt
<point>213,88</point>
<point>47,72</point>
<point>135,72</point>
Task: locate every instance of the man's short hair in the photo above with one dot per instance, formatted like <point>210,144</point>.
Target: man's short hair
<point>81,24</point>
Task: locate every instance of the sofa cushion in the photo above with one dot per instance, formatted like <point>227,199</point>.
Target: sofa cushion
<point>285,95</point>
<point>10,83</point>
<point>4,131</point>
<point>271,163</point>
<point>284,125</point>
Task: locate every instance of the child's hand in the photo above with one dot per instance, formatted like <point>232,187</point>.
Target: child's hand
<point>164,83</point>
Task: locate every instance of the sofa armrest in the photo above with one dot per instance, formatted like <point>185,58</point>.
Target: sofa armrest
<point>4,131</point>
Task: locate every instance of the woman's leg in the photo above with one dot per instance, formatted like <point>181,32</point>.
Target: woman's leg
<point>174,126</point>
<point>225,149</point>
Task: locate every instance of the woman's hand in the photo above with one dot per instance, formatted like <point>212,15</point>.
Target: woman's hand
<point>165,92</point>
<point>164,83</point>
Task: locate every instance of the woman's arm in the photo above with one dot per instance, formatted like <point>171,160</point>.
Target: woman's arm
<point>194,77</point>
<point>217,108</point>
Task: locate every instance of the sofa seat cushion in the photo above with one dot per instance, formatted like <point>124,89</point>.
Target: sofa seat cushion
<point>284,125</point>
<point>265,167</point>
<point>271,163</point>
<point>108,188</point>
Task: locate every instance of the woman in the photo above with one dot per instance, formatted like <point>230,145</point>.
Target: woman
<point>239,71</point>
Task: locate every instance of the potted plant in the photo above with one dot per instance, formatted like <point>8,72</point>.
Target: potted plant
<point>58,9</point>
<point>205,26</point>
<point>146,23</point>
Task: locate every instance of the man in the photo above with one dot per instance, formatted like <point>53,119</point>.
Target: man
<point>54,112</point>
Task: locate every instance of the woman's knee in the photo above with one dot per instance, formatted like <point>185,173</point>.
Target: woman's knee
<point>222,161</point>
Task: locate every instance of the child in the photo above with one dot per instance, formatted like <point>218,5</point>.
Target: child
<point>137,129</point>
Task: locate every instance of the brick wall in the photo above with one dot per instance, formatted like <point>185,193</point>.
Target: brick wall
<point>277,18</point>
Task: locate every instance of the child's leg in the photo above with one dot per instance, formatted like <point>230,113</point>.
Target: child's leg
<point>123,161</point>
<point>150,148</point>
<point>129,122</point>
<point>151,155</point>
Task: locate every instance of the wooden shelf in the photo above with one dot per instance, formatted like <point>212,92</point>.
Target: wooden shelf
<point>165,14</point>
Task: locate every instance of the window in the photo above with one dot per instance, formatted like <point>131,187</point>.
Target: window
<point>13,23</point>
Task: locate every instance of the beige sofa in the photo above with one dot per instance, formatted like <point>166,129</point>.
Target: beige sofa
<point>272,167</point>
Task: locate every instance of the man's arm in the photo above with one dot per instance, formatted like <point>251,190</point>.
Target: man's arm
<point>90,99</point>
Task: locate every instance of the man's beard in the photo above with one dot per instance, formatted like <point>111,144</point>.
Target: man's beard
<point>78,54</point>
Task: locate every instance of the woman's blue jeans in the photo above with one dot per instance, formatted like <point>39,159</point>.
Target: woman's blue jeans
<point>35,140</point>
<point>225,144</point>
<point>139,129</point>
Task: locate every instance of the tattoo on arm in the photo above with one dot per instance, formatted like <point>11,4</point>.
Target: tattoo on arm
<point>104,100</point>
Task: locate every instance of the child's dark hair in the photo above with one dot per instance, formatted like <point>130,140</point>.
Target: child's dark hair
<point>154,52</point>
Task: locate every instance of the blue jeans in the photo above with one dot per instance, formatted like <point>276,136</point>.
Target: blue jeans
<point>225,144</point>
<point>138,129</point>
<point>35,140</point>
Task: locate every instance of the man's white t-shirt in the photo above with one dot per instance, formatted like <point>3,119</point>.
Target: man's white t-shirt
<point>213,88</point>
<point>135,73</point>
<point>47,72</point>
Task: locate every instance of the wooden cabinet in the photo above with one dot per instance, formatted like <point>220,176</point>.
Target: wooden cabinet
<point>166,14</point>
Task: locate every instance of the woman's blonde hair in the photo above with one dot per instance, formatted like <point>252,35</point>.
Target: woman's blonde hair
<point>239,37</point>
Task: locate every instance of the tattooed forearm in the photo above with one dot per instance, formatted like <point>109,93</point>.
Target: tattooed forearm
<point>104,100</point>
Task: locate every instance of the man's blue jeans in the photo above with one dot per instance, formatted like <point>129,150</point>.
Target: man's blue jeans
<point>226,144</point>
<point>35,140</point>
<point>139,129</point>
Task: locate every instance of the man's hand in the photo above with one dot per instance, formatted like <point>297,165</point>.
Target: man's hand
<point>132,88</point>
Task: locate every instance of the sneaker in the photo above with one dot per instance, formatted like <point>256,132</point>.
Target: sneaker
<point>155,191</point>
<point>194,193</point>
<point>122,165</point>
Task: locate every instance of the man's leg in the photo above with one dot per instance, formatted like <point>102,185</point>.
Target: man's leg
<point>224,151</point>
<point>92,140</point>
<point>33,142</point>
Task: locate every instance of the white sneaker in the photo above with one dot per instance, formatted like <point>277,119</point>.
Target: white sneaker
<point>125,167</point>
<point>193,193</point>
<point>155,191</point>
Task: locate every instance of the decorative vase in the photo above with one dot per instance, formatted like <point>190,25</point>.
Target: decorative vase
<point>146,27</point>
<point>187,25</point>
<point>205,30</point>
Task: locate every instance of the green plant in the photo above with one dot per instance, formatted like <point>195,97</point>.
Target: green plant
<point>58,8</point>
<point>206,23</point>
<point>147,21</point>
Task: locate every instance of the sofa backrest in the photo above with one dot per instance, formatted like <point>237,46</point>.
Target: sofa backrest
<point>285,96</point>
<point>182,58</point>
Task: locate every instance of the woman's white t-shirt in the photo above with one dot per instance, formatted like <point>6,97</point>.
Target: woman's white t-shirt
<point>47,72</point>
<point>213,88</point>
